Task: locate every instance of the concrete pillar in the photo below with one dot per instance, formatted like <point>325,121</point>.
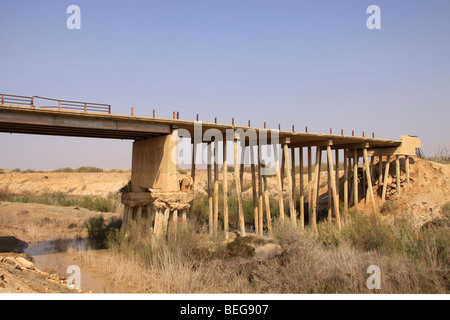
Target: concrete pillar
<point>155,164</point>
<point>225,188</point>
<point>238,187</point>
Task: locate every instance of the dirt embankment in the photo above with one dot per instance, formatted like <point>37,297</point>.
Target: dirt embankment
<point>428,192</point>
<point>19,275</point>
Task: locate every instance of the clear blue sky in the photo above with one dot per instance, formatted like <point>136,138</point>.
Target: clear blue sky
<point>296,62</point>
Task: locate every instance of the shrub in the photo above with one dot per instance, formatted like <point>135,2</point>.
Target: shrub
<point>285,233</point>
<point>99,232</point>
<point>368,233</point>
<point>88,169</point>
<point>389,207</point>
<point>446,210</point>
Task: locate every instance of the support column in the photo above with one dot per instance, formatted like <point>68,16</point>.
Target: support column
<point>238,187</point>
<point>313,216</point>
<point>380,172</point>
<point>369,178</point>
<point>338,187</point>
<point>225,189</point>
<point>210,199</point>
<point>346,183</point>
<point>290,184</point>
<point>372,165</point>
<point>216,185</point>
<point>184,219</point>
<point>333,188</point>
<point>193,167</point>
<point>139,214</point>
<point>310,174</point>
<point>355,178</point>
<point>260,193</point>
<point>242,164</point>
<point>174,223</point>
<point>165,224</point>
<point>279,182</point>
<point>350,180</point>
<point>267,203</point>
<point>397,173</point>
<point>329,196</point>
<point>294,182</point>
<point>407,170</point>
<point>386,176</point>
<point>302,193</point>
<point>126,218</point>
<point>283,167</point>
<point>159,223</point>
<point>255,194</point>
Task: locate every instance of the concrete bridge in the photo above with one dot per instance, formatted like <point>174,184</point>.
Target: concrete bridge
<point>157,192</point>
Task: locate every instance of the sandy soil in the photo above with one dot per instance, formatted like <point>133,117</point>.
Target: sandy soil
<point>74,184</point>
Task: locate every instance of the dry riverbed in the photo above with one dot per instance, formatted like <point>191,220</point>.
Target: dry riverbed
<point>34,240</point>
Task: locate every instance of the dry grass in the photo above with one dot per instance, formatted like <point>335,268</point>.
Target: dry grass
<point>334,262</point>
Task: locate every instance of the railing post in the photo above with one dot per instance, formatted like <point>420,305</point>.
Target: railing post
<point>109,109</point>
<point>85,107</point>
<point>32,102</point>
<point>59,105</point>
<point>3,99</point>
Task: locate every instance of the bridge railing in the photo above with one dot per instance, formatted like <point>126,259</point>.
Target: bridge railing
<point>41,102</point>
<point>16,100</point>
<point>74,105</point>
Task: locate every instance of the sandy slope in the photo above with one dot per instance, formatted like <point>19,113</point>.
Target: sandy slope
<point>75,184</point>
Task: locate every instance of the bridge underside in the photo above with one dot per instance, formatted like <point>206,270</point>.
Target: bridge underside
<point>27,120</point>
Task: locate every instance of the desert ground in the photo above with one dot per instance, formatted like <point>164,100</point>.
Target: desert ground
<point>46,219</point>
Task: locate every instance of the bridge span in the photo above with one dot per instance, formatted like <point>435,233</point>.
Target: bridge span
<point>157,192</point>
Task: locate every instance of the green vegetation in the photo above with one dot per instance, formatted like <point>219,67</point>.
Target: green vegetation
<point>109,204</point>
<point>99,230</point>
<point>61,170</point>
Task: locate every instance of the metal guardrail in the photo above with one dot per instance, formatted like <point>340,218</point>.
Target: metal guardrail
<point>41,102</point>
<point>16,100</point>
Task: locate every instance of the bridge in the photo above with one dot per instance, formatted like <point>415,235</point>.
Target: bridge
<point>157,192</point>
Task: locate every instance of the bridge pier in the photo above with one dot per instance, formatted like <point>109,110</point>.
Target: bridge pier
<point>155,191</point>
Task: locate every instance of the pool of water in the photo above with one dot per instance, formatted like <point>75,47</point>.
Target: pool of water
<point>51,256</point>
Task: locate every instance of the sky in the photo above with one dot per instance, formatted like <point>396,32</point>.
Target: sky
<point>305,63</point>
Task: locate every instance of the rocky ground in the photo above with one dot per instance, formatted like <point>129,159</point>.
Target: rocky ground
<point>19,275</point>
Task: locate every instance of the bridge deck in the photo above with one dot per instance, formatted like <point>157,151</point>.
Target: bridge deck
<point>42,121</point>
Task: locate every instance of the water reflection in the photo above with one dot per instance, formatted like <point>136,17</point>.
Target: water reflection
<point>56,246</point>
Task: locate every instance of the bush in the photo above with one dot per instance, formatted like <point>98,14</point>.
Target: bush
<point>88,169</point>
<point>446,210</point>
<point>109,204</point>
<point>389,207</point>
<point>368,233</point>
<point>99,232</point>
<point>285,233</point>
